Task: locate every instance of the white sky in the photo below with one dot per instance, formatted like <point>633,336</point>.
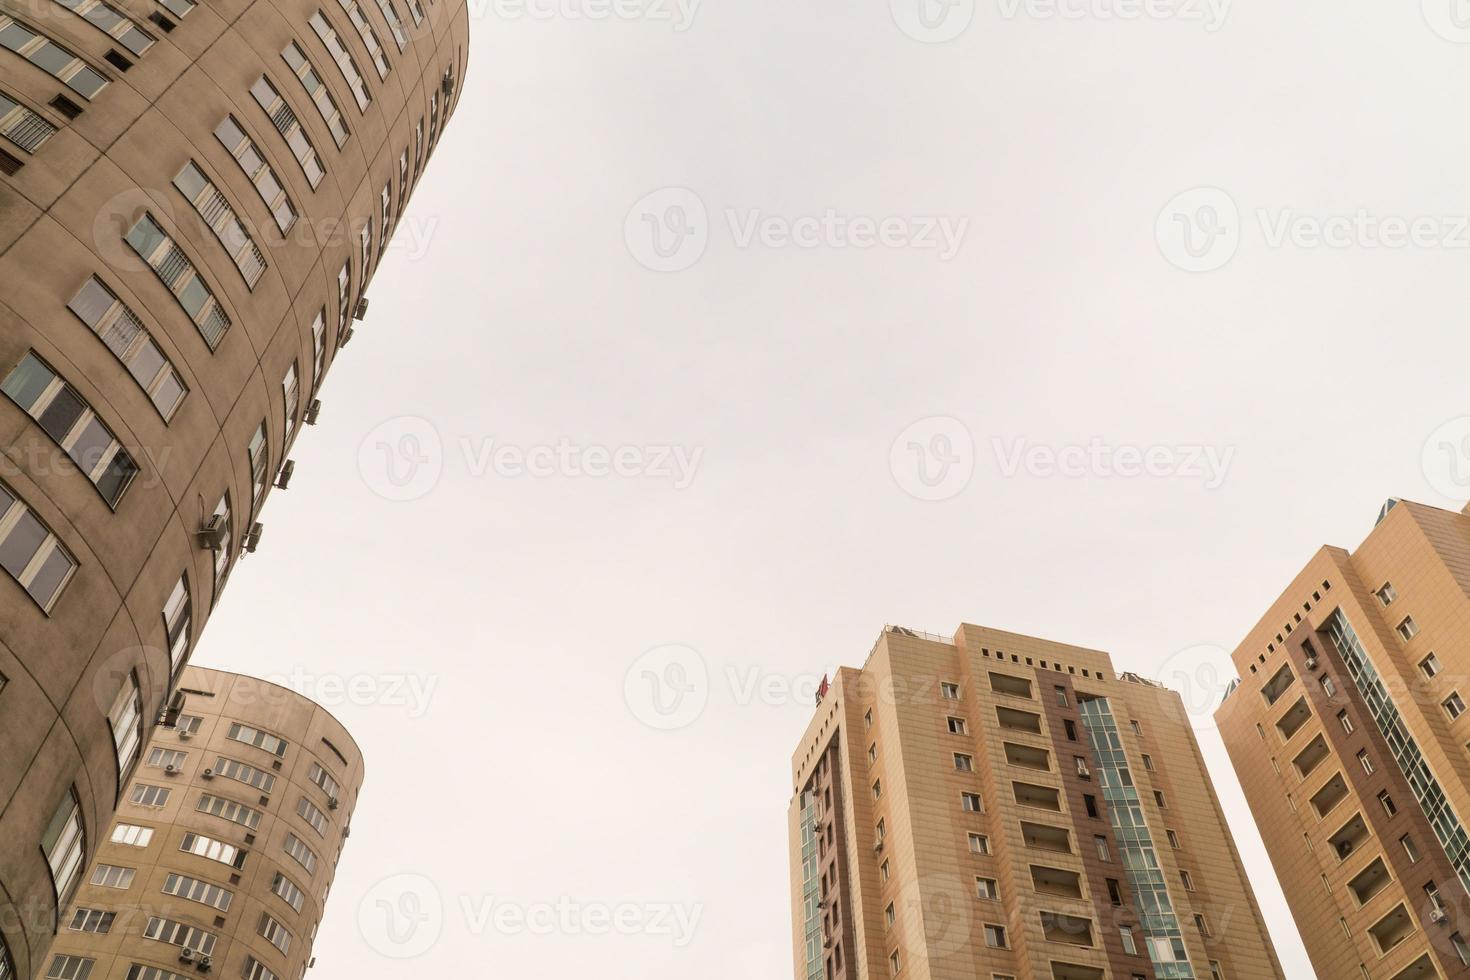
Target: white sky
<point>528,780</point>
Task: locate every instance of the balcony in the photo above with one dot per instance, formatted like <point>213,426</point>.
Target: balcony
<point>1392,929</point>
<point>1070,929</point>
<point>1071,971</point>
<point>1018,721</point>
<point>1349,838</point>
<point>1017,687</point>
<point>1369,882</point>
<point>1045,838</point>
<point>1056,881</point>
<point>1420,969</point>
<point>1278,684</point>
<point>1037,797</point>
<point>1311,756</point>
<point>1027,757</point>
<point>1329,796</point>
<point>1296,716</point>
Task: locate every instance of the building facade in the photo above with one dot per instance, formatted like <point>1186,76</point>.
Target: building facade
<point>225,845</point>
<point>193,198</point>
<point>996,806</point>
<point>1349,733</point>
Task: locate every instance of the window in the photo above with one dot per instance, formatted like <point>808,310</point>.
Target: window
<point>395,23</point>
<point>255,970</point>
<point>1386,802</point>
<point>1453,705</point>
<point>119,328</point>
<point>1061,693</point>
<point>69,968</point>
<point>1345,721</point>
<point>1387,594</point>
<point>1137,728</point>
<point>229,810</point>
<point>145,794</point>
<point>1429,666</point>
<point>368,35</point>
<point>312,816</point>
<point>188,723</point>
<point>176,620</point>
<point>112,22</point>
<point>995,936</point>
<point>214,850</point>
<point>284,119</point>
<point>221,219</point>
<point>1201,925</point>
<point>893,964</point>
<point>274,932</point>
<point>1186,881</point>
<point>51,58</point>
<point>257,171</point>
<point>1129,946</point>
<point>1410,851</point>
<point>872,753</point>
<point>126,720</point>
<point>1148,762</point>
<point>302,68</point>
<point>302,854</point>
<point>1462,950</point>
<point>67,418</point>
<point>1159,799</point>
<point>877,789</point>
<point>323,779</point>
<point>1103,852</point>
<point>1408,628</point>
<point>31,553</point>
<point>950,692</point>
<point>132,835</point>
<point>882,830</point>
<point>23,127</point>
<point>291,392</point>
<point>273,744</point>
<point>1436,900</point>
<point>92,920</point>
<point>1173,839</point>
<point>964,763</point>
<point>179,934</point>
<point>350,73</point>
<point>979,844</point>
<point>224,552</point>
<point>288,891</point>
<point>65,845</point>
<point>198,891</point>
<point>258,455</point>
<point>1071,729</point>
<point>868,719</point>
<point>1365,762</point>
<point>230,769</point>
<point>318,343</point>
<point>1216,972</point>
<point>344,292</point>
<point>956,726</point>
<point>385,216</point>
<point>1090,803</point>
<point>1329,688</point>
<point>883,872</point>
<point>1115,891</point>
<point>1080,764</point>
<point>971,802</point>
<point>110,876</point>
<point>888,914</point>
<point>178,273</point>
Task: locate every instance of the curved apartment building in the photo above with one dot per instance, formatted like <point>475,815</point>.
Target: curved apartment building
<point>225,844</point>
<point>193,197</point>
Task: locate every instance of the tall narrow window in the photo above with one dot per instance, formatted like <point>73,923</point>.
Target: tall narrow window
<point>259,173</point>
<point>302,68</point>
<point>124,334</point>
<point>224,552</point>
<point>27,130</point>
<point>126,719</point>
<point>181,277</point>
<point>66,417</point>
<point>284,119</point>
<point>65,845</point>
<point>258,454</point>
<point>51,58</point>
<point>319,347</point>
<point>327,34</point>
<point>368,35</point>
<point>112,22</point>
<point>31,553</point>
<point>395,24</point>
<point>291,392</point>
<point>176,622</point>
<point>217,213</point>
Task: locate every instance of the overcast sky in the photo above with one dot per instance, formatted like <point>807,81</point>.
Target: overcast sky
<point>862,326</point>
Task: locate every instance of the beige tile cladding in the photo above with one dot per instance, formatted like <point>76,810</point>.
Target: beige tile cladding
<point>63,217</point>
<point>1424,554</point>
<point>312,737</point>
<point>939,921</point>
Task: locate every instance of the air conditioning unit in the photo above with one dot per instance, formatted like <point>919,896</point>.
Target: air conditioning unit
<point>204,964</point>
<point>283,478</point>
<point>1439,915</point>
<point>313,410</point>
<point>344,337</point>
<point>362,307</point>
<point>171,769</point>
<point>186,955</point>
<point>212,533</point>
<point>1084,772</point>
<point>252,537</point>
<point>332,804</point>
<point>185,736</point>
<point>207,774</point>
<point>1311,663</point>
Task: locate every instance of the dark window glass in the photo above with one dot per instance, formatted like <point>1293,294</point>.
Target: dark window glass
<point>20,545</point>
<point>61,414</point>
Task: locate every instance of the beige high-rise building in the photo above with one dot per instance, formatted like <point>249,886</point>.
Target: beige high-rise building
<point>224,846</point>
<point>1350,735</point>
<point>999,807</point>
<point>194,198</point>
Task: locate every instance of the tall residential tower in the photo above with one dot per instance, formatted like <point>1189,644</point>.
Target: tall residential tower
<point>996,806</point>
<point>193,198</point>
<point>1350,734</point>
